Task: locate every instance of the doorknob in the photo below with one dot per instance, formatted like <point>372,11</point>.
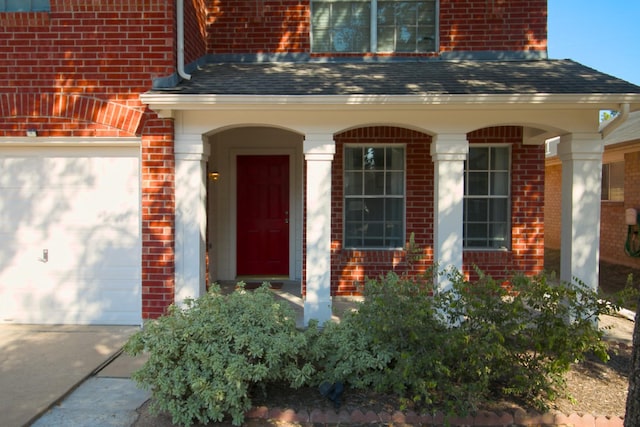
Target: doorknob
<point>286,217</point>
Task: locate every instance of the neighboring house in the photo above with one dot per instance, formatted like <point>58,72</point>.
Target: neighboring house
<point>620,191</point>
<point>290,140</point>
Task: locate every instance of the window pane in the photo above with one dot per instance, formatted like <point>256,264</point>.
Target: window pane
<point>616,181</point>
<point>401,25</point>
<point>321,41</point>
<point>395,158</point>
<point>374,209</point>
<point>477,210</point>
<point>406,13</point>
<point>353,184</point>
<point>40,5</point>
<point>353,158</point>
<point>393,234</point>
<point>375,220</point>
<point>406,26</point>
<point>394,211</point>
<point>352,242</point>
<point>345,39</point>
<point>500,158</point>
<point>478,159</point>
<point>386,39</point>
<point>395,183</point>
<point>374,183</point>
<point>498,210</point>
<point>406,39</point>
<point>486,203</point>
<point>498,235</point>
<point>373,230</point>
<point>374,158</point>
<point>475,231</point>
<point>18,5</point>
<point>499,183</point>
<point>478,183</point>
<point>348,25</point>
<point>354,209</point>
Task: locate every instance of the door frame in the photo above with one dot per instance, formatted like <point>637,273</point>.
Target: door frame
<point>233,205</point>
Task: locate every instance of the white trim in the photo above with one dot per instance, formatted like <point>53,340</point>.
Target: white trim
<point>68,142</point>
<point>158,101</point>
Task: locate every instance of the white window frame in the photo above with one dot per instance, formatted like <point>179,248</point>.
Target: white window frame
<point>489,197</point>
<point>346,198</point>
<point>373,28</point>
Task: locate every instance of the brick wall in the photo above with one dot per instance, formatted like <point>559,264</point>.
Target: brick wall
<point>527,208</point>
<point>240,26</point>
<point>79,71</point>
<point>632,193</point>
<point>195,29</point>
<point>351,267</point>
<point>158,217</point>
<point>552,205</point>
<point>283,26</point>
<point>513,25</point>
<point>613,229</point>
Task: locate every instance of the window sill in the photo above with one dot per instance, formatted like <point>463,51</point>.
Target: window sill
<point>486,249</point>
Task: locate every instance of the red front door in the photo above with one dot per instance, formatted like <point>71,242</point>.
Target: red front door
<point>263,216</point>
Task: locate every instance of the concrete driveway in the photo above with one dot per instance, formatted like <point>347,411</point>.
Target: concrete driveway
<point>39,365</point>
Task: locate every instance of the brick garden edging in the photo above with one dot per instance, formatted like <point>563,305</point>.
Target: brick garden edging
<point>517,418</point>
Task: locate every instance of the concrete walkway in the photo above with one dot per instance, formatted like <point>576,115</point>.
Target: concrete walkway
<point>109,398</point>
<point>39,364</point>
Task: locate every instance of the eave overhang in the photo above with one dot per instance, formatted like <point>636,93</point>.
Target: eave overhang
<point>171,101</point>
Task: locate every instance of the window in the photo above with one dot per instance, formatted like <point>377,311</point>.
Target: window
<point>24,6</point>
<point>373,26</point>
<point>613,182</point>
<point>487,198</point>
<point>374,197</point>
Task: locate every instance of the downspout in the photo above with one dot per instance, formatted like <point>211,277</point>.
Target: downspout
<point>616,122</point>
<point>180,36</point>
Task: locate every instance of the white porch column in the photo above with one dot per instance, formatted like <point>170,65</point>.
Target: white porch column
<point>191,156</point>
<point>581,156</point>
<point>448,151</point>
<point>318,152</point>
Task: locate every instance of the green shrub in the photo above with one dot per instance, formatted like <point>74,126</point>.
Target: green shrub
<point>205,359</point>
<point>446,351</point>
<point>454,350</point>
<point>535,330</point>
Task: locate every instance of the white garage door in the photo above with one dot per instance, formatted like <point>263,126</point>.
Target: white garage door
<point>70,235</point>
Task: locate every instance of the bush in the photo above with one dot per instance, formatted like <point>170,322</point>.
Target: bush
<point>446,351</point>
<point>205,359</point>
<point>454,350</point>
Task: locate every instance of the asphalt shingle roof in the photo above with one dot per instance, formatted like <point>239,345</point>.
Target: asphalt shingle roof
<point>465,77</point>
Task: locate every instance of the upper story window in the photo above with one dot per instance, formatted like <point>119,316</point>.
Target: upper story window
<point>359,26</point>
<point>374,196</point>
<point>487,200</point>
<point>24,6</point>
<point>613,182</point>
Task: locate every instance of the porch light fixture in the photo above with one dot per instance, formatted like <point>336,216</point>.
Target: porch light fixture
<point>213,176</point>
<point>32,133</point>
